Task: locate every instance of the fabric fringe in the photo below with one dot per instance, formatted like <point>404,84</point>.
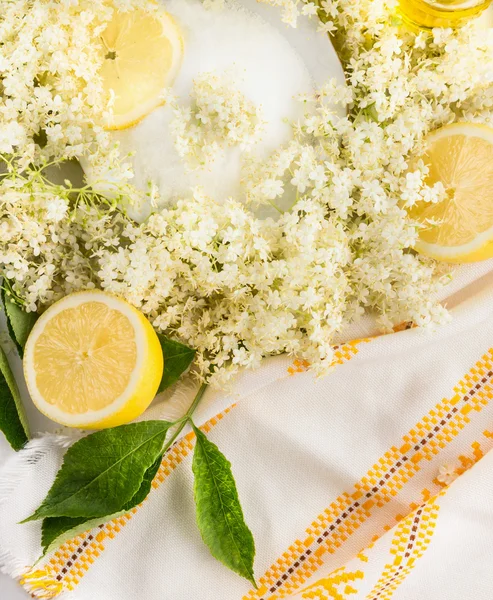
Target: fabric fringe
<point>11,566</point>
<point>19,464</point>
<point>40,584</point>
<point>11,474</point>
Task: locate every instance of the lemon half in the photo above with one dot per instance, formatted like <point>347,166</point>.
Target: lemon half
<point>92,361</point>
<point>142,53</point>
<point>460,228</point>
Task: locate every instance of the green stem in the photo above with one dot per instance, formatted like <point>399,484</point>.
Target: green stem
<point>186,417</point>
<point>275,206</point>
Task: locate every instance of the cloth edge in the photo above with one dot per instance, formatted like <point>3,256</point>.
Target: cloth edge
<point>11,475</point>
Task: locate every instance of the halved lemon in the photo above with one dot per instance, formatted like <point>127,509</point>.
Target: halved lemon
<point>142,53</point>
<point>92,361</point>
<point>458,229</point>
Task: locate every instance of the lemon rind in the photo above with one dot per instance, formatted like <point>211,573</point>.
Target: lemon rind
<point>483,131</point>
<point>133,118</point>
<point>476,250</point>
<point>89,418</point>
<point>456,252</point>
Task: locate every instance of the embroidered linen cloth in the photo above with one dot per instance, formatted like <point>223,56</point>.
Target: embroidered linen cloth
<point>374,482</point>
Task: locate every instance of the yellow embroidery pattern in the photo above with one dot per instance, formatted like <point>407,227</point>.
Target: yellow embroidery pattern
<point>346,352</point>
<point>411,539</point>
<point>337,586</point>
<point>73,559</point>
<point>382,482</point>
<point>298,366</point>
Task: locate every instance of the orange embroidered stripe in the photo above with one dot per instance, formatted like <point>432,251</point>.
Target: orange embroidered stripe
<point>412,538</point>
<point>383,481</point>
<point>346,352</point>
<point>391,579</point>
<point>73,559</point>
<point>328,587</point>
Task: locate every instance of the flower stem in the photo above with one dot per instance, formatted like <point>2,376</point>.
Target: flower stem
<point>186,417</point>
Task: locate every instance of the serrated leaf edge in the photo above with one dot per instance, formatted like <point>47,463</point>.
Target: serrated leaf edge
<point>199,440</point>
<point>39,515</point>
<point>92,523</point>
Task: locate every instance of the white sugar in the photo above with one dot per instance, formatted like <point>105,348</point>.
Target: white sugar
<point>268,71</point>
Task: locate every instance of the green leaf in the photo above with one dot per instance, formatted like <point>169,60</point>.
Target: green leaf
<point>19,322</point>
<point>177,359</point>
<point>54,528</point>
<point>102,472</point>
<point>13,420</point>
<point>57,530</point>
<point>145,486</point>
<point>218,510</point>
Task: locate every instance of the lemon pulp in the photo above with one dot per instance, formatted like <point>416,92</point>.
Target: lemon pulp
<point>441,13</point>
<point>97,362</point>
<point>141,55</point>
<point>92,361</point>
<point>460,227</point>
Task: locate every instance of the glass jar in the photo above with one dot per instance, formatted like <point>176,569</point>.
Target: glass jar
<point>427,14</point>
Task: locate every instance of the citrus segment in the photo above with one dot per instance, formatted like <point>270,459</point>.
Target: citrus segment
<point>142,54</point>
<point>92,361</point>
<point>460,227</point>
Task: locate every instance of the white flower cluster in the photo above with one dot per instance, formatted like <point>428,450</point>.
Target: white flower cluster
<point>219,116</point>
<point>359,173</point>
<point>238,288</point>
<point>53,104</point>
<point>234,287</point>
<point>46,232</point>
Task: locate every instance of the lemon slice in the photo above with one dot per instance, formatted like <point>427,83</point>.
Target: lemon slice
<point>92,361</point>
<point>142,53</point>
<point>460,227</point>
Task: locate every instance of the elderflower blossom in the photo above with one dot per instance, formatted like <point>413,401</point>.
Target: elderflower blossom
<point>447,474</point>
<point>217,277</point>
<point>53,102</point>
<point>219,116</point>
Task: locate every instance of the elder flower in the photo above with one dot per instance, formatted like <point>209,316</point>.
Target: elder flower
<point>220,116</point>
<point>337,240</point>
